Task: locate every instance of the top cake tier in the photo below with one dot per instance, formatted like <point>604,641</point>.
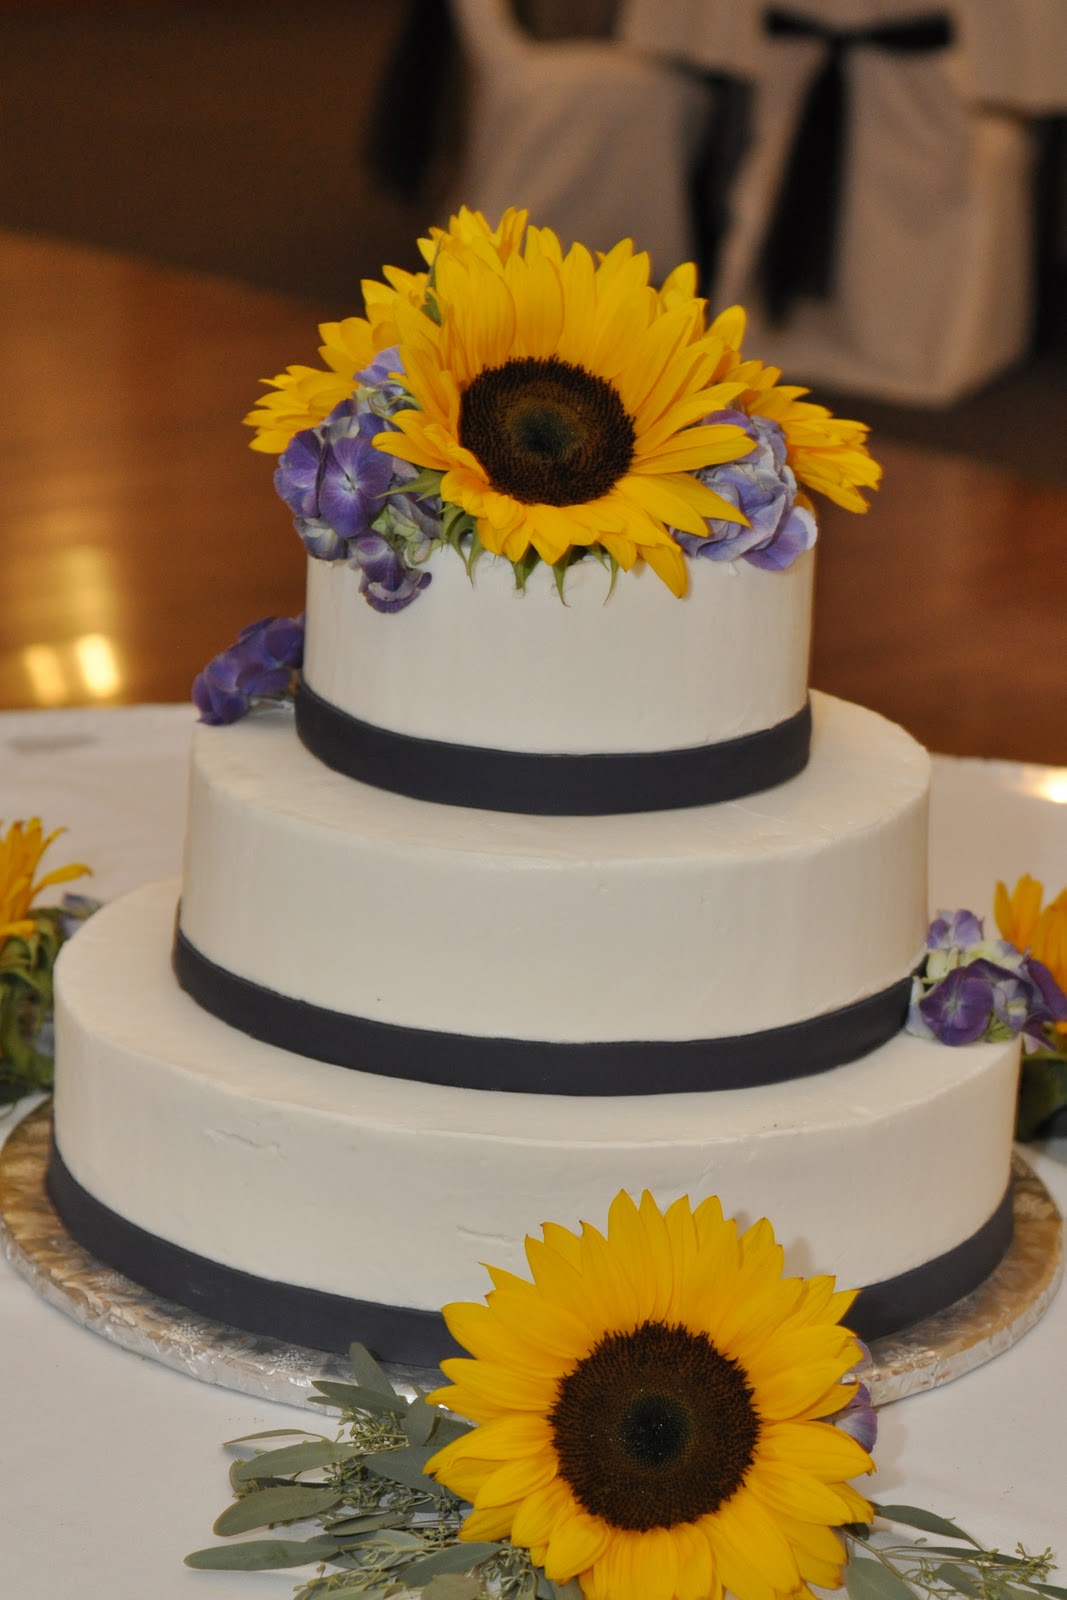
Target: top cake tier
<point>608,698</point>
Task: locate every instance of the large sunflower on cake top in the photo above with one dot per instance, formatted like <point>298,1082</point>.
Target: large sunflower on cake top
<point>302,396</point>
<point>654,1411</point>
<point>562,400</point>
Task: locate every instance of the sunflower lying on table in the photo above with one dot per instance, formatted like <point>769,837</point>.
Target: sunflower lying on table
<point>658,1414</point>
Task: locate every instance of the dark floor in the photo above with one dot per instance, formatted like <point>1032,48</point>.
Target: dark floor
<point>232,138</point>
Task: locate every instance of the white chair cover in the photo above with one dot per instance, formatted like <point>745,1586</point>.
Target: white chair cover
<point>594,138</point>
<point>933,257</point>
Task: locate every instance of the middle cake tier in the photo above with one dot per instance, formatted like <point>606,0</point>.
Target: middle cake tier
<point>759,939</point>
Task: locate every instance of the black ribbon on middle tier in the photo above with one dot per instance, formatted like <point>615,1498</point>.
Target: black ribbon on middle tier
<point>799,249</point>
<point>539,1066</point>
<point>541,784</point>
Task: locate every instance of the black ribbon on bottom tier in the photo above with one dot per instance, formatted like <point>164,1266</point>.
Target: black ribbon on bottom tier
<point>535,1066</point>
<point>331,1322</point>
<point>607,784</point>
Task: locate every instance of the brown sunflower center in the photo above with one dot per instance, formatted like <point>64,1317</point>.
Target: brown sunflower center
<point>547,432</point>
<point>654,1427</point>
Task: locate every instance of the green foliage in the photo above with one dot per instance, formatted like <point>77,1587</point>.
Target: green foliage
<point>26,965</point>
<point>1042,1092</point>
<point>880,1568</point>
<point>382,1524</point>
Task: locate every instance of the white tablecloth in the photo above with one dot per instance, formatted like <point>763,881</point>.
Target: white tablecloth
<point>111,1465</point>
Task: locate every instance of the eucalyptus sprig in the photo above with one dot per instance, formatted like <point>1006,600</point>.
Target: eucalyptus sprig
<point>365,1508</point>
<point>881,1567</point>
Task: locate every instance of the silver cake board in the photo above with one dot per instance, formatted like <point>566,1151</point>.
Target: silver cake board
<point>36,1243</point>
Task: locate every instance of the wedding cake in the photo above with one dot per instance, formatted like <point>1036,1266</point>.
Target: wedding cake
<point>557,881</point>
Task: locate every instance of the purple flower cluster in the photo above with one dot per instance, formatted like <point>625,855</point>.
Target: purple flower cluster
<point>348,498</point>
<point>763,487</point>
<point>974,989</point>
<point>259,666</point>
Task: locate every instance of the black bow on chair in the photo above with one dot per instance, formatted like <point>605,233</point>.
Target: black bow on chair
<point>799,248</point>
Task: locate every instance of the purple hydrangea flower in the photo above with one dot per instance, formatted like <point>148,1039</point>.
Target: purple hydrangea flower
<point>763,487</point>
<point>858,1418</point>
<point>954,930</point>
<point>975,989</point>
<point>349,499</point>
<point>1047,993</point>
<point>379,392</point>
<point>334,481</point>
<point>259,665</point>
<point>385,582</point>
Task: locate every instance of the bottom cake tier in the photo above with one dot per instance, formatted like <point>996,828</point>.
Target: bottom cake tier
<point>321,1204</point>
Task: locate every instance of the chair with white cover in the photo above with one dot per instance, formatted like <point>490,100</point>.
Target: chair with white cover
<point>932,294</point>
<point>596,140</point>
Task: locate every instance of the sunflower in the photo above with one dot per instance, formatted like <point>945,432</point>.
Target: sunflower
<point>649,1410</point>
<point>1028,926</point>
<point>303,396</point>
<point>827,453</point>
<point>21,850</point>
<point>562,402</point>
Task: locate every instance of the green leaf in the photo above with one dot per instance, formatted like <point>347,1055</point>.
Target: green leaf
<point>449,1428</point>
<point>418,1421</point>
<point>352,1398</point>
<point>367,1373</point>
<point>262,1555</point>
<point>961,1579</point>
<point>1042,1092</point>
<point>407,1466</point>
<point>866,1579</point>
<point>453,1558</point>
<point>452,1586</point>
<point>283,1503</point>
<point>347,1526</point>
<point>273,1433</point>
<point>988,1557</point>
<point>293,1459</point>
<point>567,1591</point>
<point>916,1517</point>
<point>1051,1589</point>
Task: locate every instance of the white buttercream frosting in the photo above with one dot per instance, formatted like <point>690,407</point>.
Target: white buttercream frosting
<point>475,661</point>
<point>395,1191</point>
<point>687,924</point>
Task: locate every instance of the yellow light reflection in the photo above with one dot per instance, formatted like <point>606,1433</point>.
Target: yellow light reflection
<point>87,668</point>
<point>98,665</point>
<point>45,672</point>
<point>1050,784</point>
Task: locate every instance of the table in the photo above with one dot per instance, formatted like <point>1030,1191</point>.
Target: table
<point>112,1465</point>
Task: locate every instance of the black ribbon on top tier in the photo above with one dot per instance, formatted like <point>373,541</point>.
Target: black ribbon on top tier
<point>403,1334</point>
<point>534,1066</point>
<point>551,785</point>
<point>799,250</point>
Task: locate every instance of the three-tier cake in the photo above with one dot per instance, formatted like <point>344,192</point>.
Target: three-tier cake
<point>558,881</point>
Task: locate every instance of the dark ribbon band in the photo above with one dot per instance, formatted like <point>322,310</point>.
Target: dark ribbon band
<point>532,1066</point>
<point>331,1322</point>
<point>551,785</point>
<point>800,245</point>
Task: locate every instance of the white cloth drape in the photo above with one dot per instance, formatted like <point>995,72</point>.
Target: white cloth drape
<point>594,138</point>
<point>933,291</point>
